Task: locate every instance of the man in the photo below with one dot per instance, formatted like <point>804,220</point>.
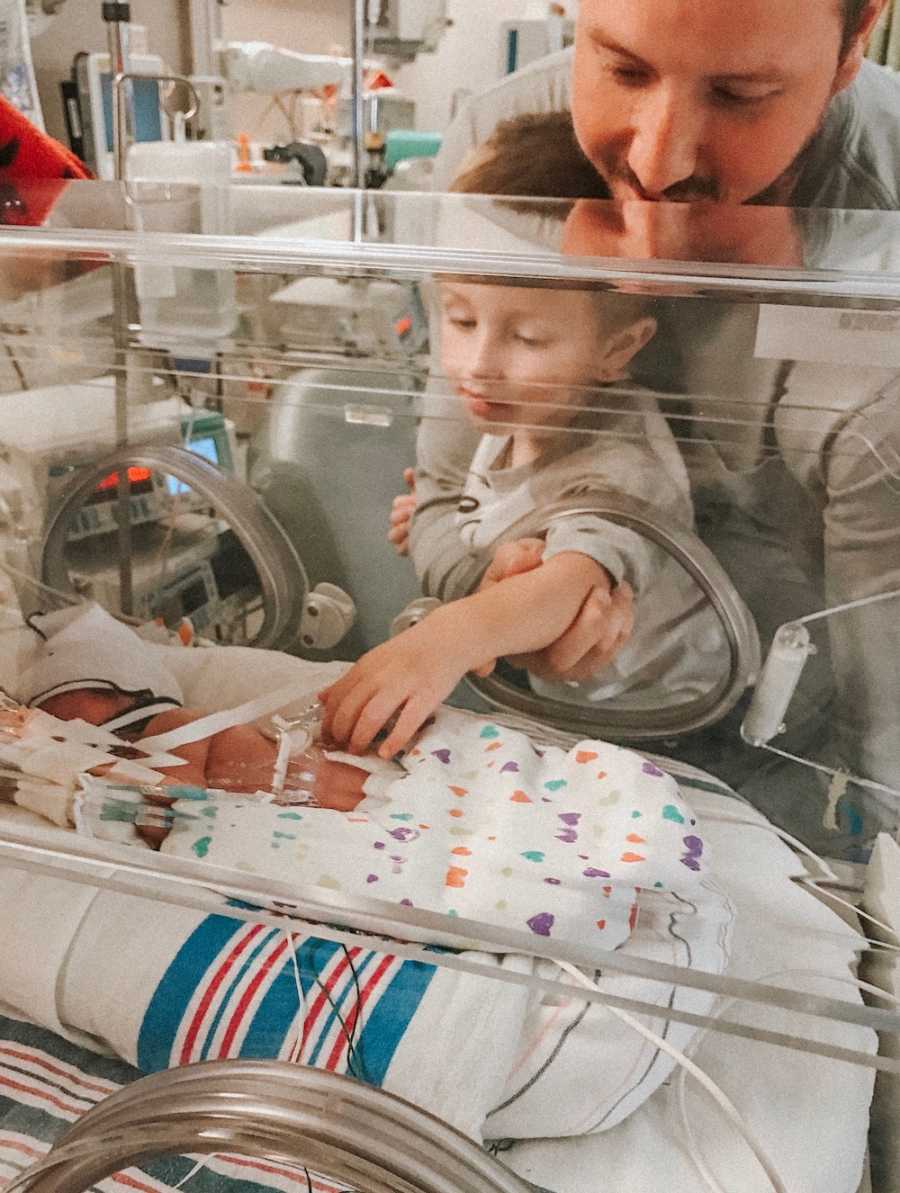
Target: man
<point>696,101</point>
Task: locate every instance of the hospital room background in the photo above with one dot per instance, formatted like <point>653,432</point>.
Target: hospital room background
<point>290,380</point>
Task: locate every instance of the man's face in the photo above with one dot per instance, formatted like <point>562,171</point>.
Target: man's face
<point>687,100</point>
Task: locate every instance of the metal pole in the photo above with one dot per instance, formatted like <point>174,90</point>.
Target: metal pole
<point>117,17</point>
<point>358,115</point>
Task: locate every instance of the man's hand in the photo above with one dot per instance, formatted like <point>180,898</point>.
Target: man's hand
<point>602,627</point>
<point>402,510</point>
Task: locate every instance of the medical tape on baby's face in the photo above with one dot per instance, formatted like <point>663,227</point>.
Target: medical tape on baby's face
<point>216,722</point>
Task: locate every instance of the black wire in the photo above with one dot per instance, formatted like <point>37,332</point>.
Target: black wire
<point>308,1180</point>
<point>358,1073</point>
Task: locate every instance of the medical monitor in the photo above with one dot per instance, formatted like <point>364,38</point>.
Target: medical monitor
<point>95,94</point>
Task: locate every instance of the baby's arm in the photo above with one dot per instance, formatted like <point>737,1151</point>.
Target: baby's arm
<point>412,673</point>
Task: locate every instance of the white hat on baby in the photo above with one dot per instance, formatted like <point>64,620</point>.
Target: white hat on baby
<point>85,647</point>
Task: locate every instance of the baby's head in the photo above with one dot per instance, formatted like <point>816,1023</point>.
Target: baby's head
<point>534,355</point>
<point>86,665</point>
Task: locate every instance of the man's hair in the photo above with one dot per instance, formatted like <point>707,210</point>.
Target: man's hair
<point>851,11</point>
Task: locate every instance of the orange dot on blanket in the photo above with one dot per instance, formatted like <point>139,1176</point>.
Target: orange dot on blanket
<point>633,857</point>
<point>519,797</point>
<point>495,745</point>
<point>601,924</point>
<point>586,756</point>
<point>461,851</point>
<point>635,839</point>
<point>456,812</point>
<point>456,876</point>
<point>458,790</point>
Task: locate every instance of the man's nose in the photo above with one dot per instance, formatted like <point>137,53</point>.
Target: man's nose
<point>666,141</point>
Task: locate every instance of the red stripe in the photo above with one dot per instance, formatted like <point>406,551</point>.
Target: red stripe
<point>343,1041</point>
<point>122,1178</point>
<point>209,995</point>
<point>39,1093</point>
<point>247,997</point>
<point>16,1146</point>
<point>325,989</point>
<point>45,1064</point>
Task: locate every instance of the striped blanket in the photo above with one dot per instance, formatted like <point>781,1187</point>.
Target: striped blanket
<point>46,1083</point>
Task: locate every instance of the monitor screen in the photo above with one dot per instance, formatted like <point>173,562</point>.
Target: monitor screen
<point>147,113</point>
<point>208,449</point>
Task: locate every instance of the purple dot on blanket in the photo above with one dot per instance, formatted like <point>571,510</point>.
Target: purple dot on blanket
<point>406,902</point>
<point>649,769</point>
<point>403,834</point>
<point>568,836</point>
<point>371,878</point>
<point>691,862</point>
<point>694,844</point>
<point>553,881</point>
<point>571,818</point>
<point>593,872</point>
<point>541,924</point>
<point>509,767</point>
<point>442,756</point>
<point>378,845</point>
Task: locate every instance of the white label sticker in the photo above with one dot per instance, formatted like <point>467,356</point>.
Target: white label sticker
<point>825,335</point>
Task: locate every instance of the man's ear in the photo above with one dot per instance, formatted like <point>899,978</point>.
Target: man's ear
<point>623,346</point>
<point>849,65</point>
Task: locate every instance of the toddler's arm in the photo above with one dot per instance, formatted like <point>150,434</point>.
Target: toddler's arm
<point>412,673</point>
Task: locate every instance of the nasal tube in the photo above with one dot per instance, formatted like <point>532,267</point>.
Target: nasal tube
<point>777,683</point>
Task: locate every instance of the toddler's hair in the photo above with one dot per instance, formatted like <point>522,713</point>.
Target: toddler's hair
<point>536,156</point>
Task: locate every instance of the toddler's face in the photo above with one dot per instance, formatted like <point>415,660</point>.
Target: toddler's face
<point>518,355</point>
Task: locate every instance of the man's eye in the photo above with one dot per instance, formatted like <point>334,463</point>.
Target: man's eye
<point>631,76</point>
<point>740,99</point>
<point>531,341</point>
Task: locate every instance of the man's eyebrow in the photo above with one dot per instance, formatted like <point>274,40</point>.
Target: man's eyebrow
<point>607,43</point>
<point>765,74</point>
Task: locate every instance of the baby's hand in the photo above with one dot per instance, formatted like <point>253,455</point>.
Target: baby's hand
<point>402,510</point>
<point>407,677</point>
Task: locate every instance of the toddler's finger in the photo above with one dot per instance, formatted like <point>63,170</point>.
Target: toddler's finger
<point>373,717</point>
<point>416,711</point>
<point>409,478</point>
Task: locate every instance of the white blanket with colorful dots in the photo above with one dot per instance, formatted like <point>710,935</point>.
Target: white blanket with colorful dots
<point>478,823</point>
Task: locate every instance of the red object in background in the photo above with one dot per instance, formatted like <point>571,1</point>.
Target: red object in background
<point>33,169</point>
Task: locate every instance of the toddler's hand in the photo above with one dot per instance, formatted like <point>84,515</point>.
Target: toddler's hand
<point>402,510</point>
<point>512,559</point>
<point>406,677</point>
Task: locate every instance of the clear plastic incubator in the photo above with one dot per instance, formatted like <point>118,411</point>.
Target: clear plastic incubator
<point>557,849</point>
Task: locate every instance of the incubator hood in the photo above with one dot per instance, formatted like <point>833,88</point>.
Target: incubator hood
<point>652,867</point>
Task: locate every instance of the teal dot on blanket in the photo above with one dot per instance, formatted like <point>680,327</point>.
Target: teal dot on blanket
<point>555,784</point>
<point>401,815</point>
<point>209,811</point>
<point>635,814</point>
<point>201,847</point>
<point>284,836</point>
<point>489,731</point>
<point>670,812</point>
<point>289,816</point>
<point>658,885</point>
<point>533,855</point>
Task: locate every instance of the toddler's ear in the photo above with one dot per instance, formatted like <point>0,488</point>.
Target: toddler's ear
<point>622,346</point>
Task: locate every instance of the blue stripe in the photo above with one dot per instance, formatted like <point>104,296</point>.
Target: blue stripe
<point>391,1016</point>
<point>235,982</point>
<point>172,996</point>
